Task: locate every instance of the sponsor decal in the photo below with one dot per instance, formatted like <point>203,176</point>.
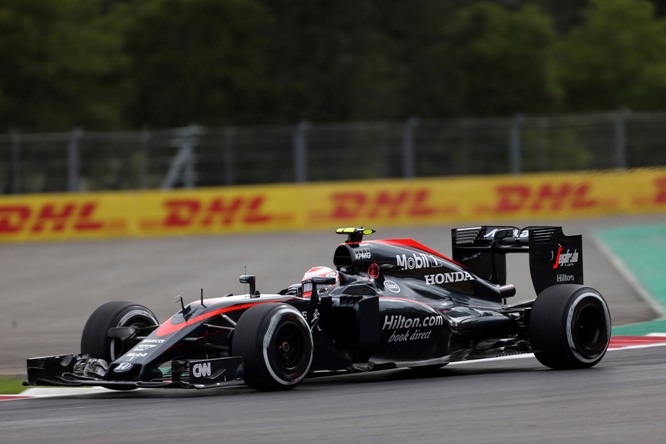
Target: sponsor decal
<point>410,328</point>
<point>131,356</point>
<point>50,217</point>
<point>137,355</point>
<point>391,286</point>
<point>567,259</point>
<point>409,336</point>
<point>565,278</point>
<point>372,205</point>
<point>373,271</point>
<point>647,198</point>
<point>123,367</point>
<point>448,278</point>
<point>524,234</point>
<point>202,369</point>
<point>314,323</point>
<point>660,184</point>
<point>219,211</point>
<point>213,370</point>
<point>142,347</point>
<point>416,261</point>
<point>471,257</point>
<point>396,322</point>
<point>553,196</point>
<point>153,341</point>
<point>362,253</point>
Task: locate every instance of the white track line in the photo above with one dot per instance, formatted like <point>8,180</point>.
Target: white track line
<point>47,392</point>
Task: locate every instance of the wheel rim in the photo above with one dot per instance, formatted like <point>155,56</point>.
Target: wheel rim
<point>289,348</point>
<point>589,329</point>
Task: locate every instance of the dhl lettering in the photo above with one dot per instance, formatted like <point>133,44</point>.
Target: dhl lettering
<point>512,197</point>
<point>219,211</point>
<point>253,215</point>
<point>384,203</point>
<point>549,197</point>
<point>85,221</point>
<point>49,217</point>
<point>13,217</point>
<point>56,217</point>
<point>181,213</point>
<point>660,184</point>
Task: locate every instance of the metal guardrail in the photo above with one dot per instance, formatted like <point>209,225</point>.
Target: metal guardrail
<point>195,156</point>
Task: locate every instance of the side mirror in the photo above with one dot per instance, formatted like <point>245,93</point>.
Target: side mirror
<point>315,281</point>
<point>251,280</point>
<point>388,268</point>
<point>122,333</point>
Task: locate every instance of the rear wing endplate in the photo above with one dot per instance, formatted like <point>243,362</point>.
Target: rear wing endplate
<point>553,257</point>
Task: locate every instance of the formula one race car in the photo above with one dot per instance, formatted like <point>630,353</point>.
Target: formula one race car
<point>389,304</point>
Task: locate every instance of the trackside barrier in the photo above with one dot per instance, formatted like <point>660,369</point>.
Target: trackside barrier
<point>332,204</point>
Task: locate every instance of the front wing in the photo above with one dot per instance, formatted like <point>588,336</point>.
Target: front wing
<point>70,370</point>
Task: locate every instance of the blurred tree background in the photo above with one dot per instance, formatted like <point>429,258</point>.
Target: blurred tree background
<point>127,64</point>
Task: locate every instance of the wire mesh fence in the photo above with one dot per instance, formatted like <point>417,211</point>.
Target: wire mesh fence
<point>195,156</point>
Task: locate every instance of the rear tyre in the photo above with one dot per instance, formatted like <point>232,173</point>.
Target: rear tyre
<point>569,327</point>
<point>95,340</point>
<point>276,345</point>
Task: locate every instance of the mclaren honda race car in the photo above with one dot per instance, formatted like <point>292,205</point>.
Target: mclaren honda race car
<point>388,304</point>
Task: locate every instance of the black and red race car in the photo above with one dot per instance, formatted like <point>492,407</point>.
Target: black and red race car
<point>390,303</point>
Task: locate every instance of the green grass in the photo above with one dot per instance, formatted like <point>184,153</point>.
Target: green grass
<point>11,385</point>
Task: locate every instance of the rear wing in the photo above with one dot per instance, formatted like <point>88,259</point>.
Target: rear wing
<point>554,258</point>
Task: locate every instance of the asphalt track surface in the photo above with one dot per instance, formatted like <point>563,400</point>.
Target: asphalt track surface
<point>510,401</point>
<point>49,290</point>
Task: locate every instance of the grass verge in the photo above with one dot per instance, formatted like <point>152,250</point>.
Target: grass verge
<point>11,385</point>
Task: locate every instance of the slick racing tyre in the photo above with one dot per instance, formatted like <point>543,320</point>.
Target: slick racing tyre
<point>95,340</point>
<point>276,345</point>
<point>569,327</point>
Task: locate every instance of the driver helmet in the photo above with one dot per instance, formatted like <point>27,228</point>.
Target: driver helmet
<point>318,271</point>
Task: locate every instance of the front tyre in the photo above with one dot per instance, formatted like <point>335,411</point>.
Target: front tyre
<point>276,345</point>
<point>95,340</point>
<point>569,327</point>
